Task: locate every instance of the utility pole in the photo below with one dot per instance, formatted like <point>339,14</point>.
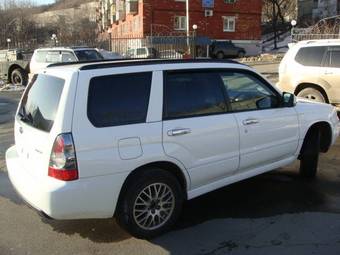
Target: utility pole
<point>187,24</point>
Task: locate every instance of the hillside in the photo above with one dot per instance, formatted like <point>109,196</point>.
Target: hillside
<point>63,4</point>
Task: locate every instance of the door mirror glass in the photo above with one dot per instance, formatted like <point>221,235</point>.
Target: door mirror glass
<point>288,99</point>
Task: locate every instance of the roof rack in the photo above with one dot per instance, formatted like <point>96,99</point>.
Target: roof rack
<point>108,63</point>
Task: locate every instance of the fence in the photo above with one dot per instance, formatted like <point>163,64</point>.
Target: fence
<point>301,37</point>
<point>170,47</point>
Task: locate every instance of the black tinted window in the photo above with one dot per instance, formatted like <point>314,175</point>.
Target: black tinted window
<point>248,93</point>
<point>88,55</point>
<point>40,101</point>
<point>119,99</point>
<point>310,56</point>
<point>193,94</point>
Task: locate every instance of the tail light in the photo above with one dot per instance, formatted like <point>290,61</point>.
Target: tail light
<point>63,161</point>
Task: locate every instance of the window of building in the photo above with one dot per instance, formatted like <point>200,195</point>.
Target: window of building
<point>230,1</point>
<point>229,24</point>
<point>119,99</point>
<point>180,22</point>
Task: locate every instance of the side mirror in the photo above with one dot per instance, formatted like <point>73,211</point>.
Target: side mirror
<point>288,99</point>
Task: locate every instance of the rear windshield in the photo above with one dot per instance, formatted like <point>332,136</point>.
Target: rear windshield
<point>88,55</point>
<point>40,102</point>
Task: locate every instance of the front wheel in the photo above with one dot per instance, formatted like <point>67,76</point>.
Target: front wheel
<point>309,157</point>
<point>151,204</point>
<point>220,55</point>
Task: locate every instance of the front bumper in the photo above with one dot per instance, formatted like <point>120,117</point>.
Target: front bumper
<point>85,198</point>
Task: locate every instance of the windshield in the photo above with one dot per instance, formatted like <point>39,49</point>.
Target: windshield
<point>88,55</point>
<point>40,102</point>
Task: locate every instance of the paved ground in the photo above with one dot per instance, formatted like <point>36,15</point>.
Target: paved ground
<point>275,213</point>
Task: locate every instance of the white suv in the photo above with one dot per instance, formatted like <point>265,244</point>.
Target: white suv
<point>45,56</point>
<point>134,139</point>
<point>311,69</point>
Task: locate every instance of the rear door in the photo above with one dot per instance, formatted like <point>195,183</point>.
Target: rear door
<point>268,133</point>
<point>34,121</point>
<point>198,128</point>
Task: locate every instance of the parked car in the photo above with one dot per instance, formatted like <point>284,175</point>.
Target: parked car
<point>14,66</point>
<point>135,139</point>
<point>224,49</point>
<point>311,69</point>
<point>170,54</point>
<point>109,54</point>
<point>45,56</point>
<point>142,52</point>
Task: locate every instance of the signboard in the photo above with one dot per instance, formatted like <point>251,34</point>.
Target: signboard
<point>208,3</point>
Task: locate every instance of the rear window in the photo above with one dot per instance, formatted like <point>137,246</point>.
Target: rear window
<point>119,99</point>
<point>40,102</point>
<point>310,56</point>
<point>88,55</point>
<point>40,56</point>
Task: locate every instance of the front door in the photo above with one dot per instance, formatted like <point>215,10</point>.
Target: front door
<point>268,133</point>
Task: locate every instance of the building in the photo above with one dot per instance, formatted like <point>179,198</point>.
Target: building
<point>310,11</point>
<point>236,20</point>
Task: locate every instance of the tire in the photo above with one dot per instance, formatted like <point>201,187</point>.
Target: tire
<point>220,55</point>
<point>138,214</point>
<point>309,157</point>
<point>241,54</point>
<point>313,94</point>
<point>19,77</point>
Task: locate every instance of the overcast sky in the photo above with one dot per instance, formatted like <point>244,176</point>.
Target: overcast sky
<point>40,2</point>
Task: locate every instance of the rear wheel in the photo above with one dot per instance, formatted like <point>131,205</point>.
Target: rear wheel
<point>241,54</point>
<point>19,77</point>
<point>313,94</point>
<point>151,204</point>
<point>220,55</point>
<point>309,157</point>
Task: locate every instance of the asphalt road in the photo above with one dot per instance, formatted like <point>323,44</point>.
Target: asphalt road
<point>275,213</point>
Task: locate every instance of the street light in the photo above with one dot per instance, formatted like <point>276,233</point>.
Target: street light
<point>55,39</point>
<point>293,23</point>
<point>8,42</point>
<point>194,27</point>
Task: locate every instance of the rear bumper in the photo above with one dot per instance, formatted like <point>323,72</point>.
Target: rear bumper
<point>93,197</point>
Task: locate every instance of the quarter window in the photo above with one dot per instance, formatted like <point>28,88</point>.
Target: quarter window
<point>193,94</point>
<point>248,93</point>
<point>333,59</point>
<point>119,99</point>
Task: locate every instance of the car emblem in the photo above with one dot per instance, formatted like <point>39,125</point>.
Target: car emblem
<point>21,130</point>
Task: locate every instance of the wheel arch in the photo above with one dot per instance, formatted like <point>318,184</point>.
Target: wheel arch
<point>168,166</point>
<point>12,68</point>
<point>325,130</point>
<point>305,85</point>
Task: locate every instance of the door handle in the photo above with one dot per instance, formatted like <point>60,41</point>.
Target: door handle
<point>250,122</point>
<point>179,131</point>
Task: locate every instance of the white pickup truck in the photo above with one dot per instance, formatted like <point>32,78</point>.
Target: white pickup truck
<point>134,139</point>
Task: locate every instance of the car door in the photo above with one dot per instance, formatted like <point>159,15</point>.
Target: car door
<point>331,64</point>
<point>268,133</point>
<point>198,129</point>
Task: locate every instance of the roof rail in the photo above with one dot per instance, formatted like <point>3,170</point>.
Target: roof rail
<point>108,63</point>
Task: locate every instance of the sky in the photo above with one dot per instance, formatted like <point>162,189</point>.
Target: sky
<point>40,2</point>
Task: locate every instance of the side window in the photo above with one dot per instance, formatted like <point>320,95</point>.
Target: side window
<point>119,99</point>
<point>67,56</point>
<point>193,94</point>
<point>141,51</point>
<point>333,59</point>
<point>310,56</point>
<point>53,57</point>
<point>40,56</point>
<point>248,93</point>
